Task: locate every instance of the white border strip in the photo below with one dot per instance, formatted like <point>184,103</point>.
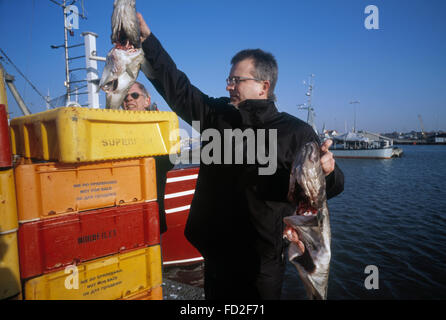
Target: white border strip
<point>182,178</point>
<point>179,194</point>
<point>30,220</point>
<point>8,232</point>
<point>183,261</point>
<point>177,209</point>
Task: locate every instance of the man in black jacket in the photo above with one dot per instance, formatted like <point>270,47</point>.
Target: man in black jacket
<point>236,216</point>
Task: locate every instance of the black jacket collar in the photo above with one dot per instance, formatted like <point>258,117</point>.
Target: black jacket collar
<point>257,112</point>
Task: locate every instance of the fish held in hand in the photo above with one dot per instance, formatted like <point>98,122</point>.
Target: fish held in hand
<point>308,230</point>
<point>126,58</point>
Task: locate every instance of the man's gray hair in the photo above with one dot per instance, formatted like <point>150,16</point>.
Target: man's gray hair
<point>265,66</point>
<point>143,89</point>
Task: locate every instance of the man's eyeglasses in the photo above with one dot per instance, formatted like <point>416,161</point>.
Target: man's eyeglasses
<point>134,95</point>
<point>236,80</point>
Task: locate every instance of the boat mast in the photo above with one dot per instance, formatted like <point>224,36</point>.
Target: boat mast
<point>67,69</point>
<point>354,108</point>
<point>307,106</point>
<point>67,28</point>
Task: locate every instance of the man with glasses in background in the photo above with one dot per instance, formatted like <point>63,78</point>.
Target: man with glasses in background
<point>138,99</point>
<point>236,215</point>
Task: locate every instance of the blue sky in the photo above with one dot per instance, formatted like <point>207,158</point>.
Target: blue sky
<point>397,71</point>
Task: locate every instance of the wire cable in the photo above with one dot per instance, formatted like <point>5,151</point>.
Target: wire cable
<point>24,77</point>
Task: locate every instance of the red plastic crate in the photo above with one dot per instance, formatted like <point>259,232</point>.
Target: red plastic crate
<point>5,144</point>
<point>52,244</point>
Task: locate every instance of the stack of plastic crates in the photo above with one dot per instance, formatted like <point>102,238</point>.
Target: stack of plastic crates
<point>9,257</point>
<point>86,202</point>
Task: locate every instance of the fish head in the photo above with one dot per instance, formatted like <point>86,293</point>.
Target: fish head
<point>120,72</point>
<point>310,253</point>
<point>307,179</point>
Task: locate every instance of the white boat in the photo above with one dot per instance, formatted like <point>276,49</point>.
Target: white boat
<point>356,146</point>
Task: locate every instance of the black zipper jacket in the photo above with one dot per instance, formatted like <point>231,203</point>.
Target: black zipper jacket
<point>236,214</point>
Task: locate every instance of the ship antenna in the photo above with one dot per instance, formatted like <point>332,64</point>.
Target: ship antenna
<point>307,106</point>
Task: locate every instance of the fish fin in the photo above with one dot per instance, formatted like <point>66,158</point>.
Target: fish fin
<point>312,293</point>
<point>130,73</point>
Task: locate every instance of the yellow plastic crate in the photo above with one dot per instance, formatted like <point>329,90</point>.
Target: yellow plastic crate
<point>9,266</point>
<point>48,189</point>
<point>74,134</point>
<point>115,277</point>
<point>152,294</point>
<point>8,206</point>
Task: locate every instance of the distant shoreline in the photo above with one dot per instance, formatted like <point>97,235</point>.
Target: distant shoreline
<point>417,143</point>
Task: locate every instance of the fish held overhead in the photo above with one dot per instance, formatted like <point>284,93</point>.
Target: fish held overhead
<point>126,58</point>
<point>308,230</point>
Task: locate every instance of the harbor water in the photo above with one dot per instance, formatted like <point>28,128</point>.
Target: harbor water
<point>391,215</point>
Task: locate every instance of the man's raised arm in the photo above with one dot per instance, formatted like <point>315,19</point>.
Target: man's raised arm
<point>172,84</point>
